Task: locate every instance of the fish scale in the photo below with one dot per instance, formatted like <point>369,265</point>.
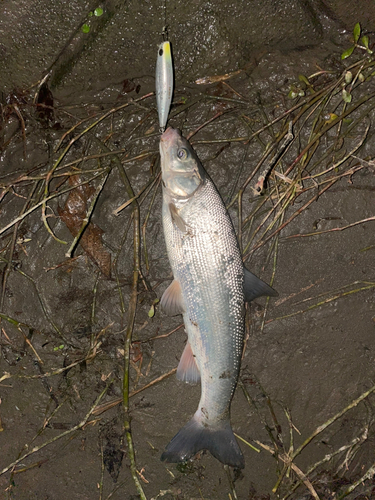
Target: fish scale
<point>210,287</point>
<point>211,230</point>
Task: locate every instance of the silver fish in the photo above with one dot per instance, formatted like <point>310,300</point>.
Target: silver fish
<point>209,289</point>
<point>164,82</point>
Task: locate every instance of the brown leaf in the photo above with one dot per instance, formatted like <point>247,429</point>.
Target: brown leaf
<point>73,215</point>
<point>45,105</point>
<point>127,86</point>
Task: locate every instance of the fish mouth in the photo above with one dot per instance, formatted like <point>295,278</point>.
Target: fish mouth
<point>169,135</point>
<point>167,139</point>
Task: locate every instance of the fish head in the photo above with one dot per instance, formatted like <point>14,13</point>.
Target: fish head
<point>181,170</point>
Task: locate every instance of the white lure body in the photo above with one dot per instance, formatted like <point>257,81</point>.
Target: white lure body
<point>164,82</point>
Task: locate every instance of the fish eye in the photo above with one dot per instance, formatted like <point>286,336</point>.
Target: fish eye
<point>182,154</point>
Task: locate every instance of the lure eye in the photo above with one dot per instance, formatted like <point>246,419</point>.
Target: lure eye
<point>182,154</point>
<point>160,52</point>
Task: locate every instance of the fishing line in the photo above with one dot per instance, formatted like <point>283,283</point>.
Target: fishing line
<point>164,32</point>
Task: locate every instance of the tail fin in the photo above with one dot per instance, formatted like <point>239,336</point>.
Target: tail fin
<point>194,437</point>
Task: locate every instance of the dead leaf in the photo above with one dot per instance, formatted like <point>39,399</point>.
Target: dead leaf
<point>73,215</point>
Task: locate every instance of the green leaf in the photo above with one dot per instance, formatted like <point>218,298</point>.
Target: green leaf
<point>85,28</point>
<point>356,32</point>
<point>348,77</point>
<point>303,79</point>
<point>151,312</point>
<point>364,41</point>
<point>346,96</point>
<point>330,117</point>
<point>98,12</point>
<point>348,52</point>
<point>91,14</point>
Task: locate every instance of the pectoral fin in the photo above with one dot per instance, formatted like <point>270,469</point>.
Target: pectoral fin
<point>172,301</point>
<point>255,287</point>
<point>187,369</point>
<point>177,219</point>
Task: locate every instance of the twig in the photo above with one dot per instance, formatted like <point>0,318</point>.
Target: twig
<point>50,197</point>
<point>86,219</point>
<point>368,475</point>
<point>297,212</point>
<point>324,426</point>
<point>144,226</point>
<point>247,443</point>
<point>331,299</point>
<point>288,461</point>
<point>230,481</point>
<point>258,188</point>
<point>67,148</point>
<point>129,329</point>
<point>135,197</point>
<point>330,230</point>
<point>110,404</point>
<point>12,246</point>
<point>56,438</point>
<point>91,354</point>
<point>327,458</point>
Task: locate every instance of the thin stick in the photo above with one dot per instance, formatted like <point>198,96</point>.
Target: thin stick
<point>67,148</point>
<point>288,461</point>
<point>368,475</point>
<point>135,197</point>
<point>164,335</point>
<point>56,438</point>
<point>129,329</point>
<point>110,404</point>
<point>230,481</point>
<point>327,458</point>
<point>12,246</point>
<point>247,442</point>
<point>86,219</point>
<point>324,426</point>
<point>50,197</point>
<point>330,230</point>
<point>91,354</point>
<point>327,301</point>
<point>144,226</point>
<point>297,212</point>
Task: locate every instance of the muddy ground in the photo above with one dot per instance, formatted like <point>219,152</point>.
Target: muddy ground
<point>79,136</point>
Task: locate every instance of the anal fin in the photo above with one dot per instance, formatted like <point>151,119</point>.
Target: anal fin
<point>172,301</point>
<point>187,369</point>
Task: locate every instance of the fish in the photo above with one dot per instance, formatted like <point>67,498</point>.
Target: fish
<point>164,82</point>
<point>209,289</point>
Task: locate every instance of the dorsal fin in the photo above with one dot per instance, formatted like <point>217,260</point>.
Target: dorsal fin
<point>255,287</point>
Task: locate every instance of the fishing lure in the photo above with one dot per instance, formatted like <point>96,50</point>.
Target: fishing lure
<point>164,82</point>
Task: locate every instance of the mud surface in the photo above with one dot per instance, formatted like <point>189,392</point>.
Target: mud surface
<point>84,142</point>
